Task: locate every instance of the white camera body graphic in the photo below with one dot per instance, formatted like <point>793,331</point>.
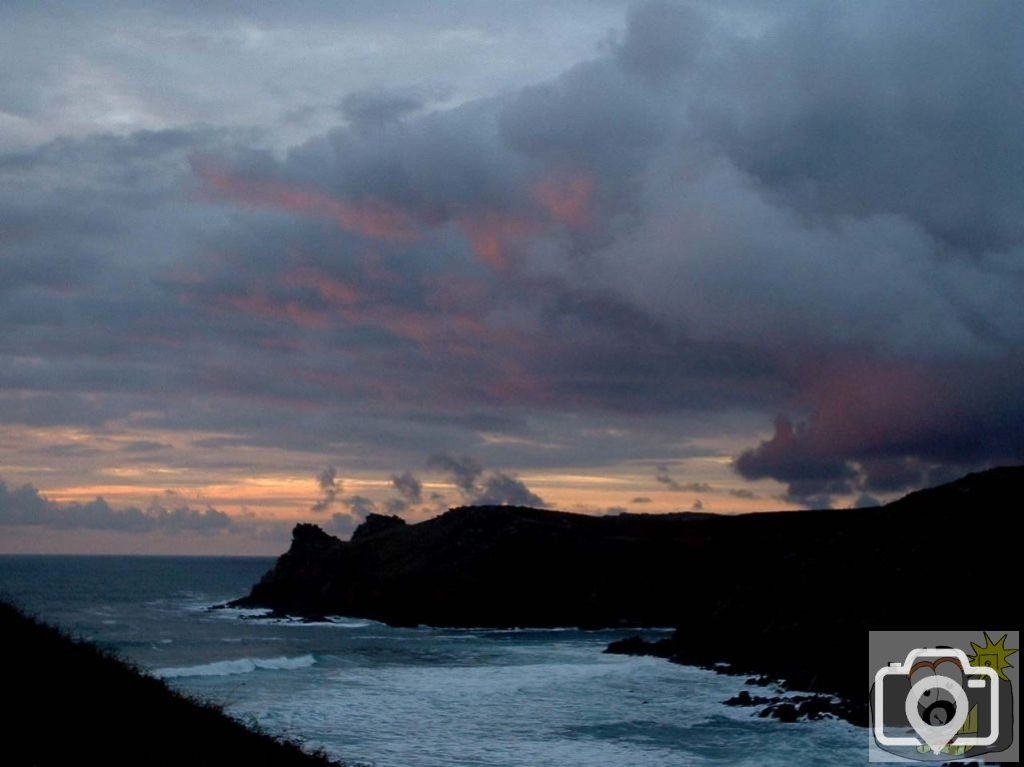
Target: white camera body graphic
<point>975,676</point>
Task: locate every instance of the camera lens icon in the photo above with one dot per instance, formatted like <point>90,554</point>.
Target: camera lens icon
<point>936,705</point>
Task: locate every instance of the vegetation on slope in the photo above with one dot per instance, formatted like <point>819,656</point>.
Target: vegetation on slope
<point>68,702</point>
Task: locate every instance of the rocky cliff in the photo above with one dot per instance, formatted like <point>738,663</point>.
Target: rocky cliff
<point>772,572</point>
<point>489,566</point>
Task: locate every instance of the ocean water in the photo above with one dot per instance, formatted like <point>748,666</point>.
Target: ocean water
<point>374,695</point>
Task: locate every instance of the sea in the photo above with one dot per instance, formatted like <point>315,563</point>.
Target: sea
<point>370,694</point>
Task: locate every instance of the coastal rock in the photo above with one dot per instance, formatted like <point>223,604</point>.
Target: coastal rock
<point>783,596</point>
<point>496,566</point>
<point>744,698</point>
<point>793,708</point>
<point>804,708</point>
<point>377,524</point>
<point>792,595</point>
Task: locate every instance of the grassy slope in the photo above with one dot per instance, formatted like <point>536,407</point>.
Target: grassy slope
<point>70,703</point>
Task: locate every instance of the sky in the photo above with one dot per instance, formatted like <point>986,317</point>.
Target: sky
<point>263,263</point>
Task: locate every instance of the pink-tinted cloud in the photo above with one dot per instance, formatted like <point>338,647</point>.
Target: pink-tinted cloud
<point>567,197</point>
<point>875,424</point>
<point>265,307</point>
<point>331,289</point>
<point>493,235</point>
<point>564,198</point>
<point>861,404</point>
<point>370,219</point>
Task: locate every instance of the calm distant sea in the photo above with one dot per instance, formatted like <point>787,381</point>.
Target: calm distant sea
<point>375,695</point>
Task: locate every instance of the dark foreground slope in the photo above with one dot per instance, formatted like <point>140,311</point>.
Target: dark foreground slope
<point>788,594</point>
<point>68,703</point>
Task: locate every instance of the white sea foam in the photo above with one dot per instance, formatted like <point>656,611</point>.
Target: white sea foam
<point>237,666</point>
<point>234,613</point>
<point>395,697</point>
<point>344,623</point>
<point>263,615</point>
<point>476,630</point>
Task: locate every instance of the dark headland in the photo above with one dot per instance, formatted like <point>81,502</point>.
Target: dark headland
<point>70,703</point>
<point>784,596</point>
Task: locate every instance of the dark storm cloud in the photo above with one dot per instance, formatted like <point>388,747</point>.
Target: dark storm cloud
<point>64,205</point>
<point>729,209</point>
<point>463,471</point>
<point>883,429</point>
<point>815,472</point>
<point>228,311</point>
<point>828,119</point>
<point>359,506</point>
<point>25,506</point>
<point>664,38</point>
<point>498,488</point>
<point>493,488</point>
<point>374,109</point>
<point>873,108</point>
<point>377,108</point>
<point>408,486</point>
<point>594,116</point>
<point>329,484</point>
<point>663,476</point>
<point>790,456</point>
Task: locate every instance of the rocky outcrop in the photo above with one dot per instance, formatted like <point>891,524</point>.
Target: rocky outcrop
<point>790,595</point>
<point>377,524</point>
<point>498,566</point>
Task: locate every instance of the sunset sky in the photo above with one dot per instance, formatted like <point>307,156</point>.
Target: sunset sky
<point>271,262</point>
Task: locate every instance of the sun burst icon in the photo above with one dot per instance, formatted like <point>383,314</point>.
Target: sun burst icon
<point>993,655</point>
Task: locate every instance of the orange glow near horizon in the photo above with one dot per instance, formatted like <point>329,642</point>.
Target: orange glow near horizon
<point>264,501</point>
<point>290,497</point>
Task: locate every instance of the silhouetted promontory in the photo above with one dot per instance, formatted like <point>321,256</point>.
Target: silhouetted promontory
<point>496,566</point>
<point>794,594</point>
<point>786,594</point>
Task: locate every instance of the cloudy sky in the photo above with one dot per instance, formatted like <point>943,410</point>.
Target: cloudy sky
<point>268,262</point>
